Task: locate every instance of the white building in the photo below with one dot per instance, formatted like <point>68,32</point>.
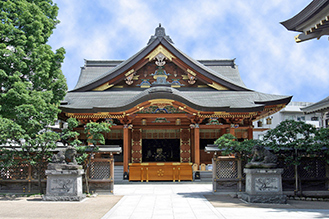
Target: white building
<point>321,107</point>
<point>292,112</point>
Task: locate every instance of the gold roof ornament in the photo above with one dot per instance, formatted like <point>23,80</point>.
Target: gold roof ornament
<point>160,49</point>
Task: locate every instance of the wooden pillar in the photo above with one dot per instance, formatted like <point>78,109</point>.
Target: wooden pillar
<point>250,133</point>
<point>214,174</point>
<point>197,145</point>
<point>125,149</point>
<point>111,172</point>
<point>111,167</point>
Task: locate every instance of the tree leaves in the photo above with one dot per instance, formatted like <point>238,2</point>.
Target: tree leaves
<point>31,81</point>
<point>94,132</point>
<point>291,134</point>
<point>229,145</point>
<point>292,138</point>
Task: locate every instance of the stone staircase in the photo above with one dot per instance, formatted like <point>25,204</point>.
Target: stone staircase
<point>206,176</point>
<point>118,175</point>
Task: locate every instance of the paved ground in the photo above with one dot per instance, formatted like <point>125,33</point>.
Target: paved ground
<point>197,201</point>
<point>157,200</point>
<point>34,207</point>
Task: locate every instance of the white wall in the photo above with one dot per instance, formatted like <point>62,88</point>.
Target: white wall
<point>291,111</point>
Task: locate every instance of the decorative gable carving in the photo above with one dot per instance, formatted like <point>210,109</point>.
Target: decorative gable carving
<point>161,70</point>
<point>160,49</point>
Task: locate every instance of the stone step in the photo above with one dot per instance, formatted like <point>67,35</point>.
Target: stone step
<point>205,176</point>
<point>118,174</point>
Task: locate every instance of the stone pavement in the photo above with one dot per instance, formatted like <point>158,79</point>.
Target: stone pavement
<point>159,200</point>
<point>34,207</point>
<point>191,201</point>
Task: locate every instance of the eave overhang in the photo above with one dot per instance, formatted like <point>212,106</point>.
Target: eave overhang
<point>312,21</point>
<point>321,106</point>
<point>172,94</point>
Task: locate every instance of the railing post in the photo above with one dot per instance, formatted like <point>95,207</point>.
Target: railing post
<point>29,178</point>
<point>111,167</point>
<point>214,175</point>
<point>239,174</point>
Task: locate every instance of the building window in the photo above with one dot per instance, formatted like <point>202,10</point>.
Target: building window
<point>260,123</point>
<point>289,117</point>
<point>314,118</point>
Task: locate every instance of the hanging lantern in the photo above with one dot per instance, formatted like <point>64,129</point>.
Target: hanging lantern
<point>268,121</point>
<point>144,122</point>
<point>178,122</point>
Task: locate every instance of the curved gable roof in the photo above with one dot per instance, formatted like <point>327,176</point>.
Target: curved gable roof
<point>129,63</point>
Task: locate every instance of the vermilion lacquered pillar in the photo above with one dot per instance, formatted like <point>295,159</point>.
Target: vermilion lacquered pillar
<point>197,145</point>
<point>125,151</point>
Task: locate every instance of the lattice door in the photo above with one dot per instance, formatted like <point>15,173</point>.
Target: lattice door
<point>226,169</point>
<point>100,169</point>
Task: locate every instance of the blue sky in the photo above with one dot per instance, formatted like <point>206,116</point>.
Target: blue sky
<point>267,56</point>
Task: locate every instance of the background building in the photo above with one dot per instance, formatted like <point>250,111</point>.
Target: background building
<point>293,111</point>
<point>321,108</point>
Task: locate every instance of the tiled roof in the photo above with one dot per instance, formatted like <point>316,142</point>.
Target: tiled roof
<point>322,105</point>
<point>306,14</point>
<point>124,66</point>
<point>93,69</point>
<point>112,101</point>
<point>312,21</point>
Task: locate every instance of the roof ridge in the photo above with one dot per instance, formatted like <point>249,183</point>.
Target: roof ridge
<point>160,32</point>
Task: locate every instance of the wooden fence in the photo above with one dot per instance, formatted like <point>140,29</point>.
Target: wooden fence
<point>313,173</point>
<point>23,178</point>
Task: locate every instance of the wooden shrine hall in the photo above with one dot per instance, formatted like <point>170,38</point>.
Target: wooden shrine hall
<point>165,107</point>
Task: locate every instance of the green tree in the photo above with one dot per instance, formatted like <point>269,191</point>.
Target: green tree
<point>68,135</point>
<point>229,144</point>
<point>31,81</point>
<point>295,139</point>
<point>294,136</point>
<point>322,142</point>
<point>94,133</point>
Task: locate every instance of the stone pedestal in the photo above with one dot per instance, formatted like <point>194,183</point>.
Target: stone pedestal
<point>64,185</point>
<point>264,186</point>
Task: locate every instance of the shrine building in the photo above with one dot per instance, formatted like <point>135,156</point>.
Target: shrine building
<point>165,107</point>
